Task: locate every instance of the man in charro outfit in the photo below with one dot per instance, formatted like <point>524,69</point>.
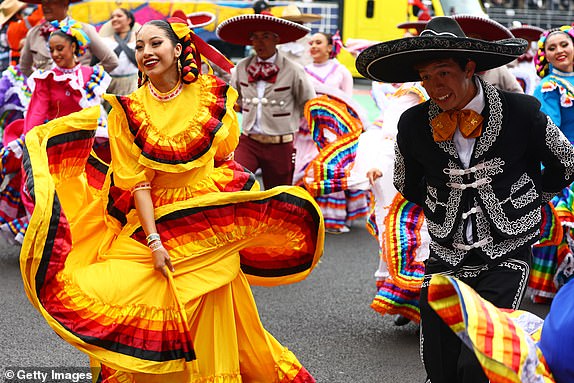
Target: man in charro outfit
<point>471,156</point>
<point>272,93</point>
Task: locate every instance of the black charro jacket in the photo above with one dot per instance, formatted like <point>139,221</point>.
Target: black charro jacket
<point>502,190</point>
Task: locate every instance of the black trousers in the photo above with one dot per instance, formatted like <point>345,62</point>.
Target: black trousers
<point>445,357</point>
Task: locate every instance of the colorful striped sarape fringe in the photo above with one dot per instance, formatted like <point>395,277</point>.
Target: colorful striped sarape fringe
<point>391,299</point>
<point>401,240</point>
<point>564,205</point>
<point>550,230</point>
<point>330,117</point>
<point>549,254</point>
<point>504,341</point>
<point>544,264</point>
<point>371,223</point>
<point>142,338</point>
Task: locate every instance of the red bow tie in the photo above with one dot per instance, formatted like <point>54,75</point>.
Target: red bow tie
<point>262,71</point>
<point>45,29</point>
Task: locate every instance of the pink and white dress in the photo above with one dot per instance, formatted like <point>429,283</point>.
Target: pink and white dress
<point>56,92</point>
<point>339,208</point>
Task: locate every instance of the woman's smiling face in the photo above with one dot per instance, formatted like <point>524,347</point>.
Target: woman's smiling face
<point>560,51</point>
<point>447,84</point>
<point>62,51</point>
<point>156,55</point>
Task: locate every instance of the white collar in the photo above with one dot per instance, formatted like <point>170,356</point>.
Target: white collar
<point>477,103</point>
<point>269,60</point>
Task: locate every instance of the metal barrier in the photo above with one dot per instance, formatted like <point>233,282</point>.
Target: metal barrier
<point>542,18</point>
<point>329,22</point>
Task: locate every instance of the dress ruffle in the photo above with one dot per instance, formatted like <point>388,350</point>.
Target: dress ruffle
<point>193,146</point>
<point>91,90</point>
<point>566,90</point>
<point>554,250</point>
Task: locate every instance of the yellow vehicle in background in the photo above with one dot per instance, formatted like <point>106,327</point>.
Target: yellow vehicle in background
<point>377,20</point>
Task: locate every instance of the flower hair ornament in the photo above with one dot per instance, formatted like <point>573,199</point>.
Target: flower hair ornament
<point>74,29</point>
<point>193,49</point>
<point>540,60</point>
<point>337,44</point>
<point>190,59</point>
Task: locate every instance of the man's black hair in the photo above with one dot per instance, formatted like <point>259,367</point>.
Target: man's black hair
<point>260,5</point>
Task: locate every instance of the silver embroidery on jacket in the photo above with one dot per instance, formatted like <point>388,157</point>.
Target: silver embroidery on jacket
<point>561,148</point>
<point>496,250</point>
<point>450,255</point>
<point>431,203</point>
<point>399,171</point>
<point>522,200</point>
<point>454,196</point>
<point>492,129</point>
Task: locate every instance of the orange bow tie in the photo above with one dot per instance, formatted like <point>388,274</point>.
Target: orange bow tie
<point>468,121</point>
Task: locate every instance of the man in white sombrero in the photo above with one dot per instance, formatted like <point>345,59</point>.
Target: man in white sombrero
<point>272,93</point>
<point>9,10</point>
<point>471,156</point>
<point>298,50</point>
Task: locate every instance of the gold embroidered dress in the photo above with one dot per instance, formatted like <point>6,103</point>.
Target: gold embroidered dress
<point>86,266</point>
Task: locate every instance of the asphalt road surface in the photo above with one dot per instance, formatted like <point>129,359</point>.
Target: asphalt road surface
<point>325,320</point>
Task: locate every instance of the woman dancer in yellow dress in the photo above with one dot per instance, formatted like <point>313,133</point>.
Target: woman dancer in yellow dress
<point>146,268</point>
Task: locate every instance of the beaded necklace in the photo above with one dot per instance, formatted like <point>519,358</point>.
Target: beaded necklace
<point>169,95</point>
<point>69,70</point>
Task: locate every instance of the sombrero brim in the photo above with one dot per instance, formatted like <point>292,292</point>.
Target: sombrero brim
<point>303,18</point>
<point>528,33</point>
<point>4,17</point>
<point>394,61</point>
<point>200,19</point>
<point>482,28</point>
<point>238,29</point>
<point>418,25</point>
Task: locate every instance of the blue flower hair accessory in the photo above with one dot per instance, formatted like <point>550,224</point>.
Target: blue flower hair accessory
<point>74,29</point>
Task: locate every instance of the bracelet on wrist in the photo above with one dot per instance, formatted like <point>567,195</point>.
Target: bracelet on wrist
<point>141,186</point>
<point>152,237</point>
<point>156,245</point>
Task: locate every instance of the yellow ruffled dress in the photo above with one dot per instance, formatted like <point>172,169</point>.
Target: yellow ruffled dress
<point>86,266</point>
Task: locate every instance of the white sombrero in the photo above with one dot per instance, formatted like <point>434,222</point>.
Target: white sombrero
<point>292,13</point>
<point>9,8</point>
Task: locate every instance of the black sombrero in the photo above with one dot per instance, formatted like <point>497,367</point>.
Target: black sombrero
<point>394,61</point>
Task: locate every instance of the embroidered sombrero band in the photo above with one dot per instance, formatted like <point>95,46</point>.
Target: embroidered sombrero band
<point>395,61</point>
<point>238,29</point>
